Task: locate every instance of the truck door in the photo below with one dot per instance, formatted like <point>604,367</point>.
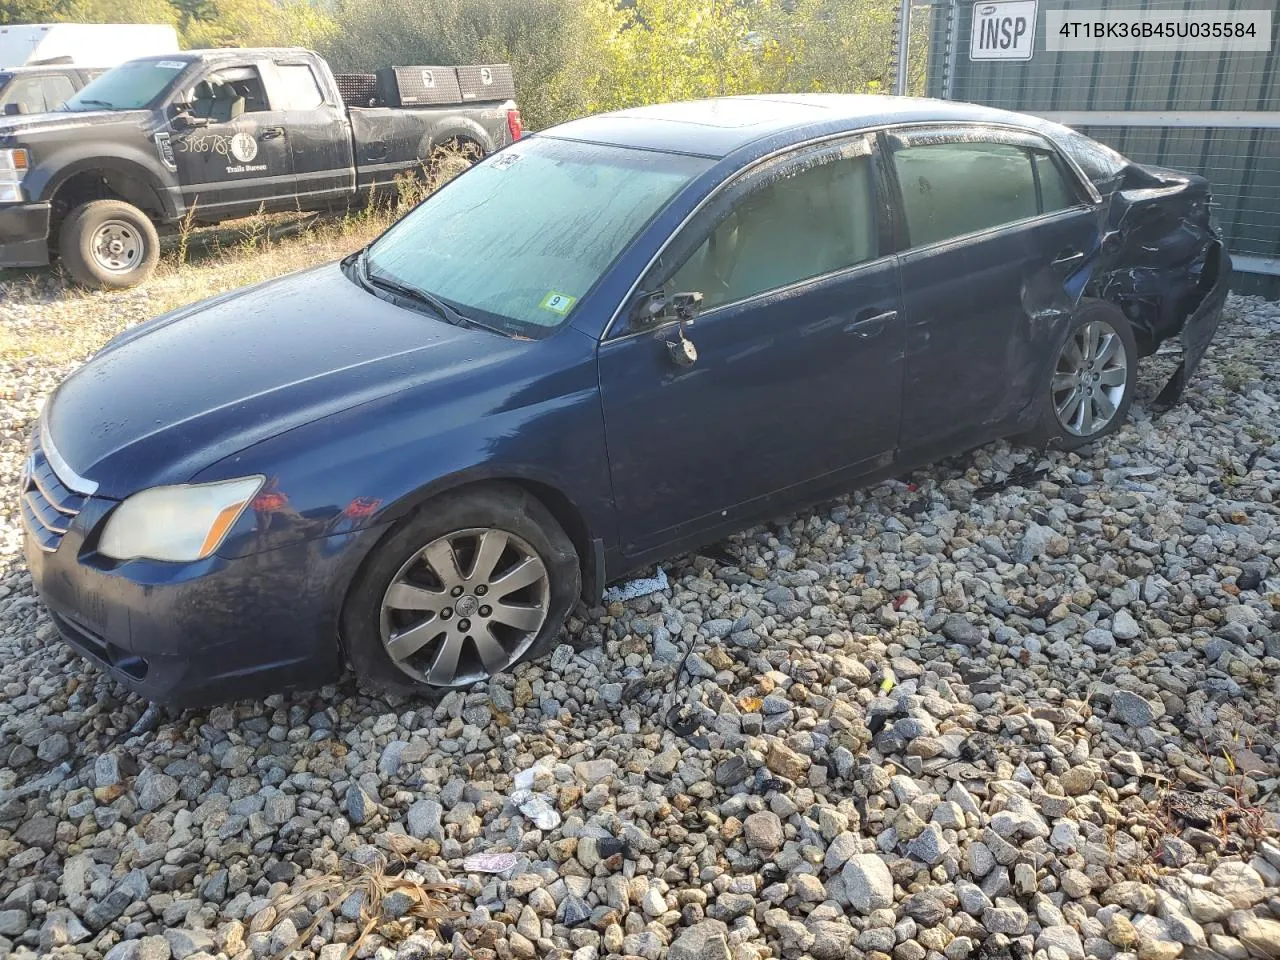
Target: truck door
<point>236,157</point>
<point>319,135</point>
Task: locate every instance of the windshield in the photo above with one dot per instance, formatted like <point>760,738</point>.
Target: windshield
<point>520,239</point>
<point>129,86</point>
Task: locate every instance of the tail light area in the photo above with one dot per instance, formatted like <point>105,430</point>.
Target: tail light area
<point>514,124</point>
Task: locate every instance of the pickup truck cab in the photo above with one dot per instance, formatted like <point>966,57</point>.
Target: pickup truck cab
<point>208,135</point>
<point>42,88</point>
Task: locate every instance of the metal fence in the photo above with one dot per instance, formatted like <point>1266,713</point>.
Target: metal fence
<point>1214,113</point>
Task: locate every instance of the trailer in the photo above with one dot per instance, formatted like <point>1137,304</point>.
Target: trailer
<point>83,44</point>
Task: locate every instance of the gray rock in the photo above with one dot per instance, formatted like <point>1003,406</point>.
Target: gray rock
<point>1124,627</point>
<point>1100,640</point>
<point>423,820</point>
<point>763,831</point>
<point>1061,937</point>
<point>1008,918</point>
<point>867,883</point>
<point>959,630</point>
<point>929,846</point>
<point>1134,710</point>
<point>359,805</point>
<point>1259,935</point>
<point>183,943</point>
<point>13,922</point>
<point>396,904</point>
<point>732,771</point>
<point>573,910</point>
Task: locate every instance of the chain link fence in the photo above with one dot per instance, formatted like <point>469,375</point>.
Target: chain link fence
<point>1209,112</point>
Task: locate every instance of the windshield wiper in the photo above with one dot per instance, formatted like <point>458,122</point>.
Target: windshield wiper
<point>98,103</point>
<point>446,312</point>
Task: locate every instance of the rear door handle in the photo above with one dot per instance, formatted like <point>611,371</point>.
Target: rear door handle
<point>869,323</point>
<point>270,133</point>
<point>1067,257</point>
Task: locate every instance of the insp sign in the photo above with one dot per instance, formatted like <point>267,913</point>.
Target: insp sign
<point>1003,30</point>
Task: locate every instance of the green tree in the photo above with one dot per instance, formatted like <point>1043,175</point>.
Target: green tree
<point>255,23</point>
<point>659,50</point>
<point>552,45</point>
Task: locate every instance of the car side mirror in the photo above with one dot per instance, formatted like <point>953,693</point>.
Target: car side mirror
<point>14,109</point>
<point>660,307</point>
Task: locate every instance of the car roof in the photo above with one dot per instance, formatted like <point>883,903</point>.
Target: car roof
<point>43,68</point>
<point>722,125</point>
<point>227,53</point>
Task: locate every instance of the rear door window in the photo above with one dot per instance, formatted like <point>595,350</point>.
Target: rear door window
<point>301,91</point>
<point>1057,191</point>
<point>955,188</point>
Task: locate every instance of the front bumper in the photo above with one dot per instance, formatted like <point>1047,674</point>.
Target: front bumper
<point>24,235</point>
<point>196,634</point>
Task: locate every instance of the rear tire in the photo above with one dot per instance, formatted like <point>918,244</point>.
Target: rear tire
<point>413,623</point>
<point>1091,380</point>
<point>108,244</point>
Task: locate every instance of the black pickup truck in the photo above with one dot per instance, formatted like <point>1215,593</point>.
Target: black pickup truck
<point>209,135</point>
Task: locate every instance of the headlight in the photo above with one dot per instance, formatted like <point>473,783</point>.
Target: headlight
<point>14,163</point>
<point>11,192</point>
<point>178,523</point>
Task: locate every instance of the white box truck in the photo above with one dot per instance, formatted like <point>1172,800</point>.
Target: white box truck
<point>83,44</point>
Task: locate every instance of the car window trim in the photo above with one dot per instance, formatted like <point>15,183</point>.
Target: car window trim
<point>876,135</point>
<point>254,65</point>
<point>988,232</point>
<point>1044,143</point>
<point>868,133</point>
<point>841,274</point>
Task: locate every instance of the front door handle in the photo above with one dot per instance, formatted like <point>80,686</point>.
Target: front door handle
<point>870,323</point>
<point>270,133</point>
<point>1067,257</point>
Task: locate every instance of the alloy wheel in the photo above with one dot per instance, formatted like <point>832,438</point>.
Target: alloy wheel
<point>1090,379</point>
<point>117,246</point>
<point>465,607</point>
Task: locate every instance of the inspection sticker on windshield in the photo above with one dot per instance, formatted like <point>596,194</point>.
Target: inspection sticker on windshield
<point>560,303</point>
<point>170,64</point>
<point>504,160</point>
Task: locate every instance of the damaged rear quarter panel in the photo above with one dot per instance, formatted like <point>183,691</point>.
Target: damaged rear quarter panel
<point>1162,261</point>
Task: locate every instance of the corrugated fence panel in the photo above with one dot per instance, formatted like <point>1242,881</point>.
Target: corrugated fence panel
<point>1242,163</point>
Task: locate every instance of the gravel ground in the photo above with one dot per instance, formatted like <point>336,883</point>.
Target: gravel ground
<point>945,717</point>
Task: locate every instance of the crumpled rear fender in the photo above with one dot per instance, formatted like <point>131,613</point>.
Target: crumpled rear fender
<point>1161,259</point>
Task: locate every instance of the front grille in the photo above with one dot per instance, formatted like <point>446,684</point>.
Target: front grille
<point>48,505</point>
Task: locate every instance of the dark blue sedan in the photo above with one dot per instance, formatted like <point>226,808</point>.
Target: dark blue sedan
<point>609,343</point>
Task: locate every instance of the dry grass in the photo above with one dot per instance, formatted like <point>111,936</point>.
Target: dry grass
<point>384,876</point>
<point>46,319</point>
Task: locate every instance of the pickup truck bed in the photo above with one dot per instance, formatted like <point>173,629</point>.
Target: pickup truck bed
<point>208,135</point>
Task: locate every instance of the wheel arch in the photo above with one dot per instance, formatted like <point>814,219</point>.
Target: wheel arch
<point>107,178</point>
<point>456,128</point>
<point>562,507</point>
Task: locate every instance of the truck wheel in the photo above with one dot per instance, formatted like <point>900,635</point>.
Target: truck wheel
<point>108,244</point>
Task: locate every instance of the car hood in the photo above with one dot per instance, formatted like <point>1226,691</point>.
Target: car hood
<point>168,398</point>
<point>41,124</point>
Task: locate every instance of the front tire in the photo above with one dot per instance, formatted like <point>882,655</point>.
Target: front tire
<point>1091,380</point>
<point>108,244</point>
<point>470,585</point>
